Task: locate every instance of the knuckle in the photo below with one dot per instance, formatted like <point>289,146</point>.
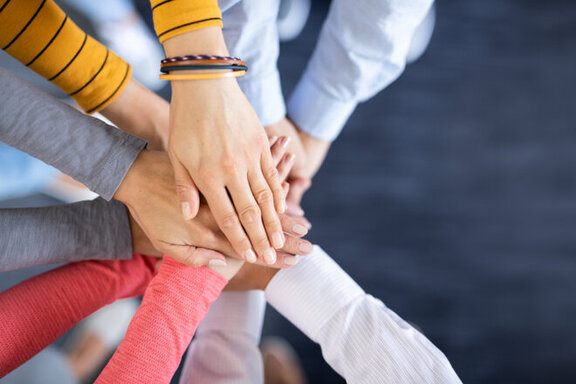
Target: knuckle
<point>264,196</point>
<point>229,164</point>
<point>250,214</point>
<point>272,173</point>
<point>229,220</point>
<point>208,177</point>
<point>261,243</point>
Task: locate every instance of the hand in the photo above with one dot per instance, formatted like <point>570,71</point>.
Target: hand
<point>218,145</point>
<point>140,242</point>
<point>149,193</point>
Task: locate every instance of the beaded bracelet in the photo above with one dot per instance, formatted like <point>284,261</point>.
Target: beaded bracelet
<point>198,57</point>
<point>203,76</point>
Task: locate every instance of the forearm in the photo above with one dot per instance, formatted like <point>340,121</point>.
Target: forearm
<point>362,48</point>
<point>89,230</point>
<point>92,152</point>
<point>36,312</point>
<point>361,339</point>
<point>230,332</point>
<point>41,36</point>
<point>173,306</point>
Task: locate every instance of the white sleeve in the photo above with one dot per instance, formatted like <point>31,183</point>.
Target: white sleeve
<point>251,33</point>
<point>362,48</point>
<point>225,347</point>
<point>361,338</point>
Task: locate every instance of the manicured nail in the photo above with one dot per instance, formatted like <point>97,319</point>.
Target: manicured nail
<point>272,140</point>
<point>277,240</point>
<point>290,260</point>
<point>290,158</point>
<point>305,247</point>
<point>186,210</point>
<point>299,229</point>
<point>250,256</point>
<point>269,256</point>
<point>282,206</point>
<point>217,263</point>
<point>286,141</point>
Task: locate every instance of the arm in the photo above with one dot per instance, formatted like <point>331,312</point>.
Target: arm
<point>95,230</point>
<point>384,28</point>
<point>360,337</point>
<point>231,332</point>
<point>92,152</point>
<point>225,155</point>
<point>173,306</point>
<point>36,312</point>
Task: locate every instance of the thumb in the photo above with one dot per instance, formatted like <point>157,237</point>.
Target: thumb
<point>186,190</point>
<point>196,257</point>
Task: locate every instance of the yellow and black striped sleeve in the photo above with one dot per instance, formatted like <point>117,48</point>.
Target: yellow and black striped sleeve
<point>173,17</point>
<point>41,36</point>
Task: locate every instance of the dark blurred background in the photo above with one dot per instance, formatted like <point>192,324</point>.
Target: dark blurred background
<point>452,194</point>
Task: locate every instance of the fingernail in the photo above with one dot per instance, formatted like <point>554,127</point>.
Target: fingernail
<point>186,210</point>
<point>269,256</point>
<point>250,256</point>
<point>305,247</point>
<point>299,229</point>
<point>290,158</point>
<point>272,140</point>
<point>277,240</point>
<point>217,263</point>
<point>286,141</point>
<point>290,260</point>
<point>282,206</point>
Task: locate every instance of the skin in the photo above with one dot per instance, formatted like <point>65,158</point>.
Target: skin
<point>217,146</point>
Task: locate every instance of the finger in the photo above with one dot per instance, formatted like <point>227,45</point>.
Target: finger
<point>269,216</point>
<point>227,219</point>
<point>271,175</point>
<point>250,216</point>
<point>193,256</point>
<point>186,191</point>
<point>272,140</point>
<point>285,166</point>
<point>278,149</point>
<point>295,226</point>
<point>283,260</point>
<point>297,246</point>
<point>298,186</point>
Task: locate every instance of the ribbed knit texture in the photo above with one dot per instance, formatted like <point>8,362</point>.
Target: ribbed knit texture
<point>34,313</point>
<point>174,304</point>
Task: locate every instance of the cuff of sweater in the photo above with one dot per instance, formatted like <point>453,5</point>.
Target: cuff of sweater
<point>119,161</point>
<point>312,292</point>
<point>265,95</point>
<point>236,311</point>
<point>316,112</point>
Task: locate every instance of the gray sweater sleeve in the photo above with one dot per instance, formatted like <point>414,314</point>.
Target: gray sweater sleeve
<point>81,146</point>
<point>89,230</point>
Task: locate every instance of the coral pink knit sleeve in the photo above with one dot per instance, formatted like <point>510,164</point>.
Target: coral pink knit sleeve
<point>34,313</point>
<point>174,304</point>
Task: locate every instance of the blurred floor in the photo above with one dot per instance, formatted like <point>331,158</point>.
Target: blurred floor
<point>452,195</point>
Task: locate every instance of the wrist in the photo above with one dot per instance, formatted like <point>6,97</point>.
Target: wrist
<point>207,41</point>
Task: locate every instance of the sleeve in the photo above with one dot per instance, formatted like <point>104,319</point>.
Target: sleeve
<point>230,332</point>
<point>37,311</point>
<point>362,49</point>
<point>174,304</point>
<point>92,152</point>
<point>42,37</point>
<point>250,32</point>
<point>174,17</point>
<point>360,337</point>
<point>89,230</point>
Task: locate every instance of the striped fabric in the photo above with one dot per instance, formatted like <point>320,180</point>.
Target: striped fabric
<point>174,17</point>
<point>40,35</point>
